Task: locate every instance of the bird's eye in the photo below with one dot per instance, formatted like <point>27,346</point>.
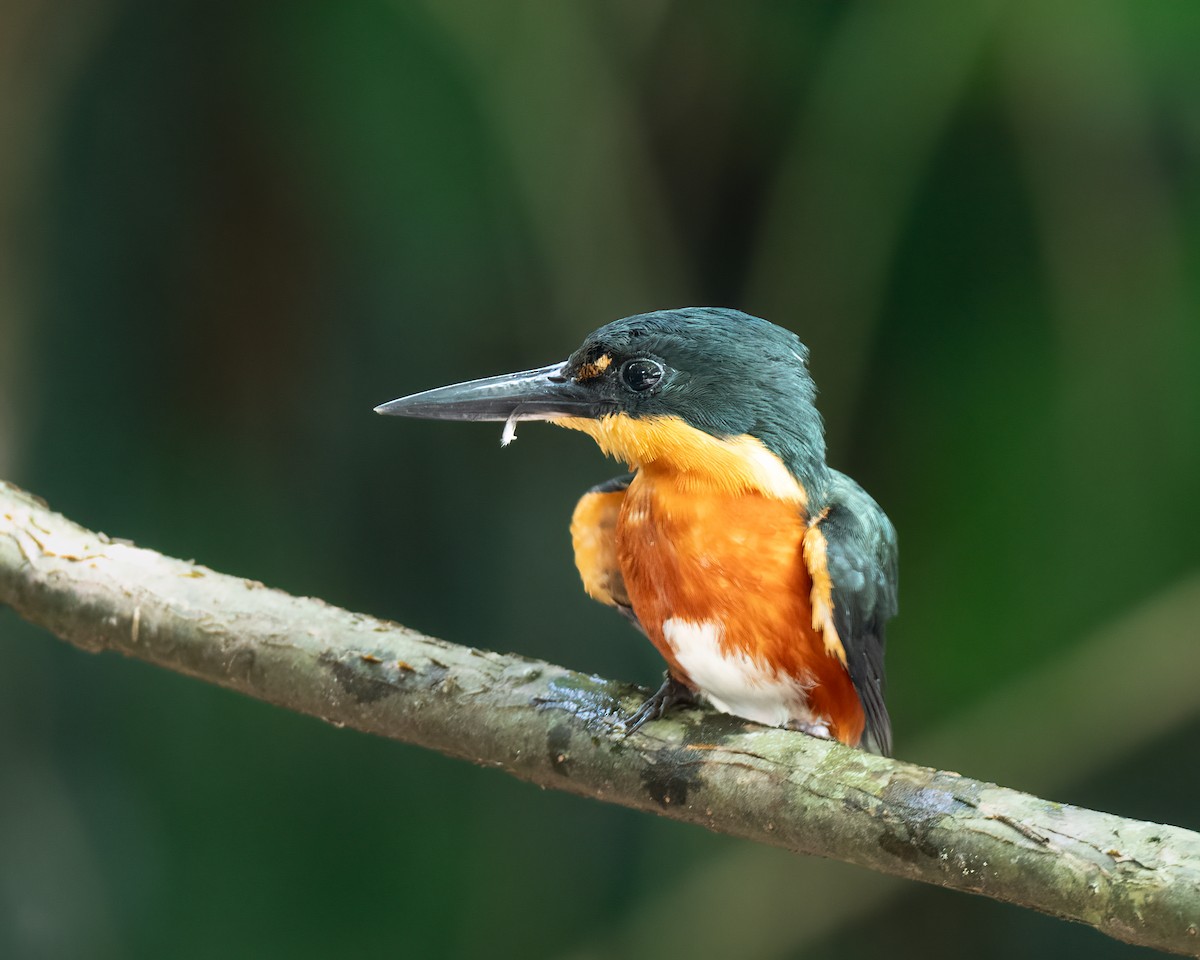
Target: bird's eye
<point>641,374</point>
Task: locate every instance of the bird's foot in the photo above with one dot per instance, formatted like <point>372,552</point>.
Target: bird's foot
<point>671,694</point>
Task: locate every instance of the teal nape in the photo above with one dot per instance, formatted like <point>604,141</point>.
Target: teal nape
<point>763,577</point>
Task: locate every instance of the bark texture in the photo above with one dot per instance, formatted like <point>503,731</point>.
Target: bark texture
<point>1133,880</point>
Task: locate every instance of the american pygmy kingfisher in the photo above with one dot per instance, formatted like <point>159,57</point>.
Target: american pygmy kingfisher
<point>763,576</point>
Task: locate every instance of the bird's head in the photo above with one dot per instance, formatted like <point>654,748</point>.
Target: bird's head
<point>714,395</point>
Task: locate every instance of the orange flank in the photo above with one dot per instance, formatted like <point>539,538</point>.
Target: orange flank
<point>594,538</point>
<point>815,549</point>
<point>736,562</point>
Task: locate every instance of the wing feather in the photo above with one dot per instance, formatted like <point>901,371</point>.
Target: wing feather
<point>856,579</point>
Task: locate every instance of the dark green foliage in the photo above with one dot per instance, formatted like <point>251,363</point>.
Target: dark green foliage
<point>227,231</point>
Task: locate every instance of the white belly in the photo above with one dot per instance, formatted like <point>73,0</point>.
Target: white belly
<point>733,682</point>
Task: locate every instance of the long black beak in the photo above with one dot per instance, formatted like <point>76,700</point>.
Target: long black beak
<point>543,394</point>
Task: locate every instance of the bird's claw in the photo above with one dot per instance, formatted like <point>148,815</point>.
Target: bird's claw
<point>671,694</point>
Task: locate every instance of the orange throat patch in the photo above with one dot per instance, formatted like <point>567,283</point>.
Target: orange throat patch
<point>734,464</point>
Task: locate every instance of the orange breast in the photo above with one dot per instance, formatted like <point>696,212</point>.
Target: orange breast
<point>719,581</point>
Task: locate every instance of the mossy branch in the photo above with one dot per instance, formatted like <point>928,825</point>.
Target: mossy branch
<point>1133,880</point>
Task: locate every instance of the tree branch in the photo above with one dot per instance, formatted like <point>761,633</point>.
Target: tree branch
<point>1133,880</point>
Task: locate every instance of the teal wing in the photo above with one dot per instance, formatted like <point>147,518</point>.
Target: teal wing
<point>861,559</point>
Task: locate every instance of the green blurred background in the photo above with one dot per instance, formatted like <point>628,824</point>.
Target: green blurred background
<point>228,230</point>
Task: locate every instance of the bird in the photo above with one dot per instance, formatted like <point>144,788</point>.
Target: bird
<point>764,577</point>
